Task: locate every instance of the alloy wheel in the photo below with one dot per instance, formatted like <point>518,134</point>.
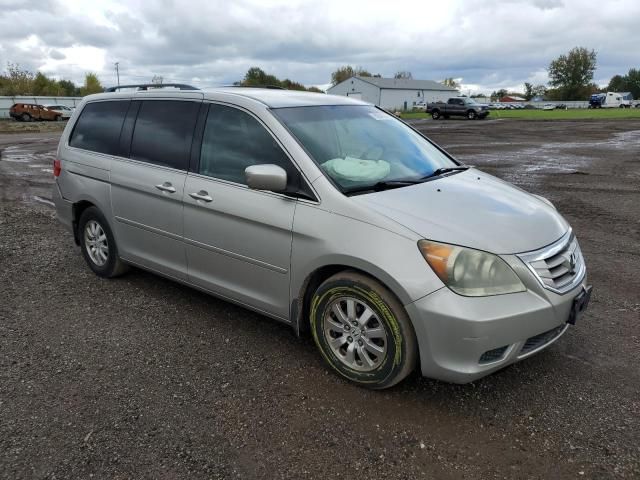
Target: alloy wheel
<point>95,241</point>
<point>355,334</point>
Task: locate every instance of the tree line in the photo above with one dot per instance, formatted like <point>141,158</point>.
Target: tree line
<point>256,77</point>
<point>17,81</point>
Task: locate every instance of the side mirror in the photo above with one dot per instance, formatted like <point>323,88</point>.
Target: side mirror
<point>266,177</point>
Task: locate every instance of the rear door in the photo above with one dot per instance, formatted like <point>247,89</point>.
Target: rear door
<point>238,240</point>
<point>456,106</point>
<point>147,188</point>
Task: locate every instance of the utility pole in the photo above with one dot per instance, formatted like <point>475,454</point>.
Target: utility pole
<point>117,72</point>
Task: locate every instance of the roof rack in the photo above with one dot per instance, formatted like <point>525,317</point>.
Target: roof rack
<point>271,87</point>
<point>147,86</point>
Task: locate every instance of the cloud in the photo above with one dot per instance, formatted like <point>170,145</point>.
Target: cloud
<point>490,44</point>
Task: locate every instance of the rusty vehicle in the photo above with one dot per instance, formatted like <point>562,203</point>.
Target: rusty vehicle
<point>28,112</point>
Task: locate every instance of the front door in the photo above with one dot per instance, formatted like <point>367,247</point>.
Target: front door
<point>238,240</point>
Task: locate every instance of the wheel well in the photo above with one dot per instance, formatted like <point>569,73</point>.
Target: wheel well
<point>311,284</point>
<point>78,208</point>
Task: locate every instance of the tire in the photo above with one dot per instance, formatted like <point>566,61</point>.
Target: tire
<point>435,114</point>
<point>375,352</point>
<point>472,115</point>
<point>25,117</point>
<point>93,227</point>
<point>58,118</point>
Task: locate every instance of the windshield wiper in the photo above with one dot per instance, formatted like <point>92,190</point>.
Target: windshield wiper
<point>443,170</point>
<point>389,184</point>
<point>380,186</point>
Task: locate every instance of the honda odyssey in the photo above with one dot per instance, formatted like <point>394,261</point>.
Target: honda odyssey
<point>328,214</point>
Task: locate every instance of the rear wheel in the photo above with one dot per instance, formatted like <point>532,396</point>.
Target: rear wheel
<point>362,330</point>
<point>435,114</point>
<point>98,245</point>
<point>472,115</point>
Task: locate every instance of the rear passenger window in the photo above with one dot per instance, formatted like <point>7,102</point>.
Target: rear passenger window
<point>99,125</point>
<point>234,140</point>
<point>164,131</point>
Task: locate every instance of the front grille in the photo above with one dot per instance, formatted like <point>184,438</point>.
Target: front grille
<point>494,355</point>
<point>560,266</point>
<point>537,341</point>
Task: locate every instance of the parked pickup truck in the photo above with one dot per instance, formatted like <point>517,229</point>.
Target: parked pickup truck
<point>460,106</point>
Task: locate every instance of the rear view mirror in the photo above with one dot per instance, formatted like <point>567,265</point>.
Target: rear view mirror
<point>266,177</point>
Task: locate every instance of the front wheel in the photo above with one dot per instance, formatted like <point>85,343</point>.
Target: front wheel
<point>472,115</point>
<point>98,244</point>
<point>25,117</point>
<point>362,330</point>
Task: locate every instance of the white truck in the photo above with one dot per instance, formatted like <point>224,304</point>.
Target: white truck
<point>609,100</point>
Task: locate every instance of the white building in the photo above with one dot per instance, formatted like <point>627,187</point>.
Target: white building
<point>393,93</point>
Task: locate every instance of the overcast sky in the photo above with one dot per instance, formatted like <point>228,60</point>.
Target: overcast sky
<point>487,44</point>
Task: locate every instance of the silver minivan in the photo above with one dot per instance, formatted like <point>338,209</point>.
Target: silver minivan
<point>328,214</point>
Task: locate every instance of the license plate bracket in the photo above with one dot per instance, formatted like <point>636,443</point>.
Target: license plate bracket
<point>579,305</point>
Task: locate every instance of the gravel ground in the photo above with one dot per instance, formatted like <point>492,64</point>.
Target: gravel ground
<point>139,377</point>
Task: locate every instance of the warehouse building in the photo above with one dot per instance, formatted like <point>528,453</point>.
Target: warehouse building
<point>393,93</point>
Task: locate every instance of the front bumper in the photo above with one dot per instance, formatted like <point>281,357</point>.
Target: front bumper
<point>462,339</point>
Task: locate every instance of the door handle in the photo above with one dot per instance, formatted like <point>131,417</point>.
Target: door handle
<point>166,187</point>
<point>201,195</point>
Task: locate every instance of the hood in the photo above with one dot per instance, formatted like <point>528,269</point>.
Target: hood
<point>471,209</point>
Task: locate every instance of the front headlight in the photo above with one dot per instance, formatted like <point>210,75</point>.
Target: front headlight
<point>469,272</point>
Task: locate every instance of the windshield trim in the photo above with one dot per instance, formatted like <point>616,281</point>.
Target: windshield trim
<point>337,186</point>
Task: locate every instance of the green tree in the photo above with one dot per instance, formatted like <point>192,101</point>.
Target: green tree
<point>17,81</point>
<point>531,91</point>
<point>91,84</point>
<point>347,71</point>
<point>572,73</point>
<point>314,89</point>
<point>291,85</point>
<point>43,85</point>
<point>498,94</point>
<point>403,74</point>
<point>626,83</point>
<point>528,91</point>
<point>450,82</point>
<point>539,91</point>
<point>257,77</point>
<point>68,89</point>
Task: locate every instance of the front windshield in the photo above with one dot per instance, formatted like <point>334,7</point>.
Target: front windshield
<point>359,145</point>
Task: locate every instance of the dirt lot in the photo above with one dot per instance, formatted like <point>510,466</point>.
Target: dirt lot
<point>142,378</point>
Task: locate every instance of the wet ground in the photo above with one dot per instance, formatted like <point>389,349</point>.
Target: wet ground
<point>142,378</point>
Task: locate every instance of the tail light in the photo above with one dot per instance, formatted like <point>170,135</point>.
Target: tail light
<point>57,167</point>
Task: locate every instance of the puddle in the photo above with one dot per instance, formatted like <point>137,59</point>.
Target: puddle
<point>46,201</point>
<point>554,157</point>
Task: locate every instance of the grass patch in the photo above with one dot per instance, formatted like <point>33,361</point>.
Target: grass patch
<point>571,114</point>
<point>11,126</point>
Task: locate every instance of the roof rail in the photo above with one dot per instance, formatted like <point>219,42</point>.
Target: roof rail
<point>271,87</point>
<point>147,86</point>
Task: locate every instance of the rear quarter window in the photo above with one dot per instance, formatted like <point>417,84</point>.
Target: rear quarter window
<point>98,127</point>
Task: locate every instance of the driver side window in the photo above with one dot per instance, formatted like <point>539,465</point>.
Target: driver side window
<point>234,140</point>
